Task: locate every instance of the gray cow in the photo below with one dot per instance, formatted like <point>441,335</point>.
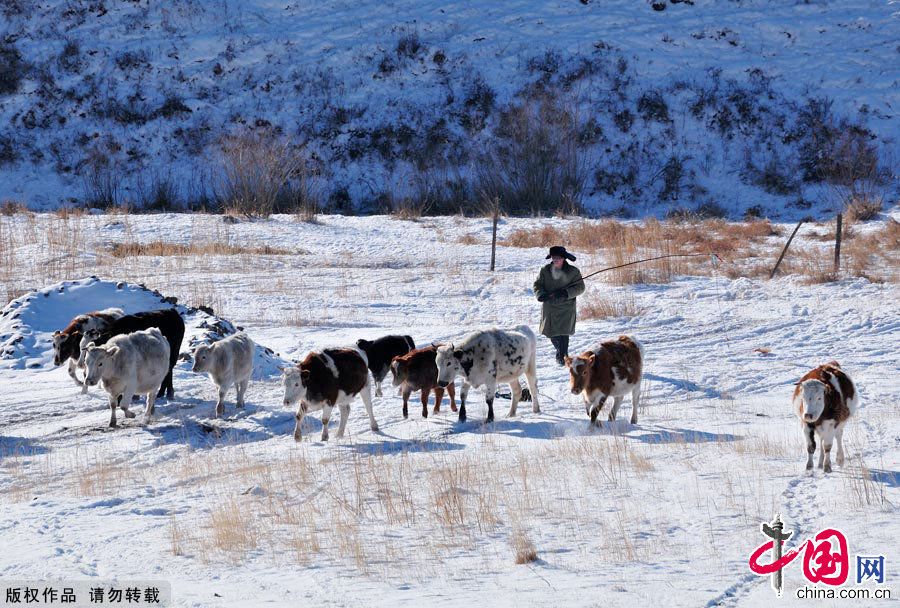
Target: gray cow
<point>229,363</point>
<point>129,364</point>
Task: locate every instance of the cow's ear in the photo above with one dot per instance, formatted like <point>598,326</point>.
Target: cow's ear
<point>304,375</point>
<point>362,343</point>
<point>591,358</point>
<point>112,351</point>
<point>395,365</point>
<point>56,333</point>
<point>458,354</point>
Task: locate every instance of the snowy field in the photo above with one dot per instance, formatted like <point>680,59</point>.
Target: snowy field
<point>429,511</point>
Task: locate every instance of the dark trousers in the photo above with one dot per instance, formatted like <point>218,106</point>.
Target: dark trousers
<point>561,344</point>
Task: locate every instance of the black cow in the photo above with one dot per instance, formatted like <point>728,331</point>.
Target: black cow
<point>381,352</point>
<point>169,323</point>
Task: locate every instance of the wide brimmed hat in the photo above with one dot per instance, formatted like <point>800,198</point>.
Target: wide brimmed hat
<point>561,252</point>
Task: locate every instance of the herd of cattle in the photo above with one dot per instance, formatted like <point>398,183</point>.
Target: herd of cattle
<point>135,355</point>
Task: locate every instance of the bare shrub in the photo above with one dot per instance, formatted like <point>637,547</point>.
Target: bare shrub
<point>10,207</point>
<point>256,169</point>
<point>864,208</point>
<point>12,69</point>
<point>409,209</point>
<point>536,164</point>
<point>101,179</point>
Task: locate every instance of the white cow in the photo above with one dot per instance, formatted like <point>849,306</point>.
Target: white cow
<point>129,364</point>
<point>487,357</point>
<point>229,363</point>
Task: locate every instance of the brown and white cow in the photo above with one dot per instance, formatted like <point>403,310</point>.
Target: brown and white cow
<point>327,379</point>
<point>67,342</point>
<point>823,400</point>
<point>613,369</point>
<point>417,370</point>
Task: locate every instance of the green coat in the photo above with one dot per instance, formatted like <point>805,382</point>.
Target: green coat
<point>558,317</point>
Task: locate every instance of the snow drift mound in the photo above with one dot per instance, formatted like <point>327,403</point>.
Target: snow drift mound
<point>27,323</point>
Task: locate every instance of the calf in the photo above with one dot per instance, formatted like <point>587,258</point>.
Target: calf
<point>229,362</point>
<point>381,352</point>
<point>169,323</point>
<point>129,365</point>
<point>67,342</point>
<point>824,399</point>
<point>613,369</point>
<point>487,357</point>
<point>416,370</point>
<point>327,379</point>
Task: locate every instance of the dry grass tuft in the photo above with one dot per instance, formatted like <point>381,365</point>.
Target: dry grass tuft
<point>162,248</point>
<point>524,550</point>
<point>603,307</point>
<point>468,239</point>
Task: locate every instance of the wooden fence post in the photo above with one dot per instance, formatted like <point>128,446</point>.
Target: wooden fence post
<point>837,244</point>
<point>786,245</point>
<point>496,218</point>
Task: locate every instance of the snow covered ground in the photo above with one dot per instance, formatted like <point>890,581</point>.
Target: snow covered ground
<point>699,103</point>
<point>429,511</point>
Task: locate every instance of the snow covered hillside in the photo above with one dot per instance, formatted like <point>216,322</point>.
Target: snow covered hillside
<point>535,510</point>
<point>711,105</point>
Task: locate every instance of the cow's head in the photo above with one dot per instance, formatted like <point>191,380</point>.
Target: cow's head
<point>399,370</point>
<point>66,346</point>
<point>363,345</point>
<point>295,381</point>
<point>579,371</point>
<point>202,358</point>
<point>450,362</point>
<point>97,360</point>
<point>812,403</point>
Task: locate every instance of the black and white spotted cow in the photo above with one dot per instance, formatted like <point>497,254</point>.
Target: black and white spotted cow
<point>487,357</point>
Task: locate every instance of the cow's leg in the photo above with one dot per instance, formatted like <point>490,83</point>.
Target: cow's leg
<point>490,389</point>
<point>531,379</point>
<point>241,391</point>
<point>438,397</point>
<point>113,402</point>
<point>810,434</point>
<point>326,417</point>
<point>220,403</point>
<point>378,388</point>
<point>424,396</point>
<point>839,436</point>
<point>515,390</point>
<point>125,401</point>
<point>406,392</point>
<point>596,407</point>
<point>827,437</point>
<point>166,386</point>
<point>151,404</point>
<point>462,401</point>
<point>344,408</point>
<point>635,399</point>
<point>451,390</point>
<point>301,410</point>
<point>617,401</point>
<point>71,367</point>
<point>366,394</point>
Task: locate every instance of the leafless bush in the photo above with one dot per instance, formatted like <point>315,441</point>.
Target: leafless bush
<point>258,168</point>
<point>536,164</point>
<point>101,179</point>
<point>607,307</point>
<point>12,69</point>
<point>864,208</point>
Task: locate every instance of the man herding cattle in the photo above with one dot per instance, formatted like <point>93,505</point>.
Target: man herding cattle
<point>557,286</point>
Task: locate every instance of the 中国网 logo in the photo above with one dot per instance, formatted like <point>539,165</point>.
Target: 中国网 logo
<point>826,558</point>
